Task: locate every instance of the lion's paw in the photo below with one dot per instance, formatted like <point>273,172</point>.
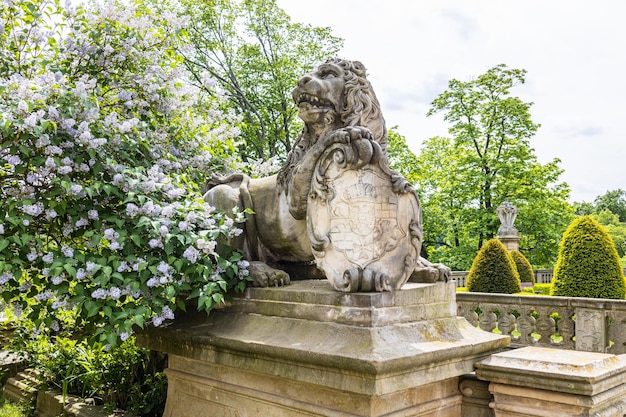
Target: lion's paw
<point>359,132</point>
<point>264,275</point>
<point>347,135</point>
<point>430,273</point>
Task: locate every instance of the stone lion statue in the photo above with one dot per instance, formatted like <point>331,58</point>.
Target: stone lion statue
<point>337,104</point>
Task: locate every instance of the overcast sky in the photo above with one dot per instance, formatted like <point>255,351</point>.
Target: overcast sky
<point>574,52</point>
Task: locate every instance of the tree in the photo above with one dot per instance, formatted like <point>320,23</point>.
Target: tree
<point>401,158</point>
<point>588,264</point>
<point>615,201</point>
<point>256,54</point>
<point>493,270</point>
<point>103,147</point>
<point>463,179</point>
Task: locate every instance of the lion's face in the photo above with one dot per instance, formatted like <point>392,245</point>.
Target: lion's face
<point>339,91</point>
<point>336,95</point>
<point>320,93</point>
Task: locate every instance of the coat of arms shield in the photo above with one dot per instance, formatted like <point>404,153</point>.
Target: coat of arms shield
<point>365,229</point>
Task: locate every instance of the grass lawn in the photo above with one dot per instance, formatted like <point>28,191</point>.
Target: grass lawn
<point>10,409</point>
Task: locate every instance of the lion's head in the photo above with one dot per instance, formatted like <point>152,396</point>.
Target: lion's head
<point>337,93</point>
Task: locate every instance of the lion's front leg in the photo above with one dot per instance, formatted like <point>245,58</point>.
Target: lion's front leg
<point>264,275</point>
<point>427,272</point>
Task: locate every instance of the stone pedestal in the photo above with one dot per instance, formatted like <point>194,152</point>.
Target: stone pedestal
<point>307,350</point>
<point>553,382</point>
<point>510,241</point>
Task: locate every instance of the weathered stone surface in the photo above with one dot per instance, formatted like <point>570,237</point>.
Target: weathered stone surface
<point>476,397</point>
<point>316,300</point>
<point>335,201</point>
<point>507,233</point>
<point>309,349</point>
<point>541,381</point>
<point>365,232</point>
<point>23,387</point>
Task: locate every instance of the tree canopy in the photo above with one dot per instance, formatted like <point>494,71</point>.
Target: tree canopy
<point>253,51</point>
<point>462,180</point>
<point>614,201</point>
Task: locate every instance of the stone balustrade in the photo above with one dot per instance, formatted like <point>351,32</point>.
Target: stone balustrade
<point>584,324</point>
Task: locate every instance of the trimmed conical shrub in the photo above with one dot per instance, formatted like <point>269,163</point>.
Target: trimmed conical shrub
<point>524,268</point>
<point>588,264</point>
<point>493,270</point>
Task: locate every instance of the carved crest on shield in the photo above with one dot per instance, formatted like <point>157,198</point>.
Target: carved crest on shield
<point>363,217</point>
<point>361,229</point>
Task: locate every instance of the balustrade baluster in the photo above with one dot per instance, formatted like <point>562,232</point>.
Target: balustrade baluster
<point>468,311</point>
<point>545,326</point>
<point>506,322</point>
<point>487,319</point>
<point>566,328</point>
<point>617,332</point>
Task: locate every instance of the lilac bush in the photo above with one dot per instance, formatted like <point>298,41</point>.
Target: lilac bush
<point>103,147</point>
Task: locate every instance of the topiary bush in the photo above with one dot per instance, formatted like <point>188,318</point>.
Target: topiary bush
<point>588,264</point>
<point>493,270</point>
<point>524,268</point>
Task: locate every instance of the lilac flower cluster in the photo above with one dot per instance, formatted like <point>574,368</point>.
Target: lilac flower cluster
<point>100,154</point>
<point>166,314</point>
<point>115,293</point>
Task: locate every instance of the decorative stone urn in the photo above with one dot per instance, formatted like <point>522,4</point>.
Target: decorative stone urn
<point>507,233</point>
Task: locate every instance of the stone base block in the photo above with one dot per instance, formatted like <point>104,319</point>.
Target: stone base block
<point>553,382</point>
<point>307,350</point>
<point>200,389</point>
<point>476,397</point>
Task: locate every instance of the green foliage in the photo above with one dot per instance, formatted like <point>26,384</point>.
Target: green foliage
<point>123,377</point>
<point>103,150</point>
<point>462,180</point>
<point>9,409</point>
<point>588,264</point>
<point>524,268</point>
<point>253,51</point>
<point>544,289</point>
<point>614,201</point>
<point>493,270</point>
<point>609,210</point>
<point>401,158</point>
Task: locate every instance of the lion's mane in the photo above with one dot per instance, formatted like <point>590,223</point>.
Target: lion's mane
<point>361,108</point>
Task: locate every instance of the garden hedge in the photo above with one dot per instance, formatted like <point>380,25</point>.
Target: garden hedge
<point>493,270</point>
<point>524,268</point>
<point>588,264</point>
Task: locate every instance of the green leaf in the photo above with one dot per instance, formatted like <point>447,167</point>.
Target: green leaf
<point>91,307</point>
<point>70,269</point>
<point>136,239</point>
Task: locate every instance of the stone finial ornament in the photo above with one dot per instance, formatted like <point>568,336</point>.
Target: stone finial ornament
<point>335,202</point>
<point>506,213</point>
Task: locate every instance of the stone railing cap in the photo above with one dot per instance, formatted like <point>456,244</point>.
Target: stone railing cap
<point>555,369</point>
